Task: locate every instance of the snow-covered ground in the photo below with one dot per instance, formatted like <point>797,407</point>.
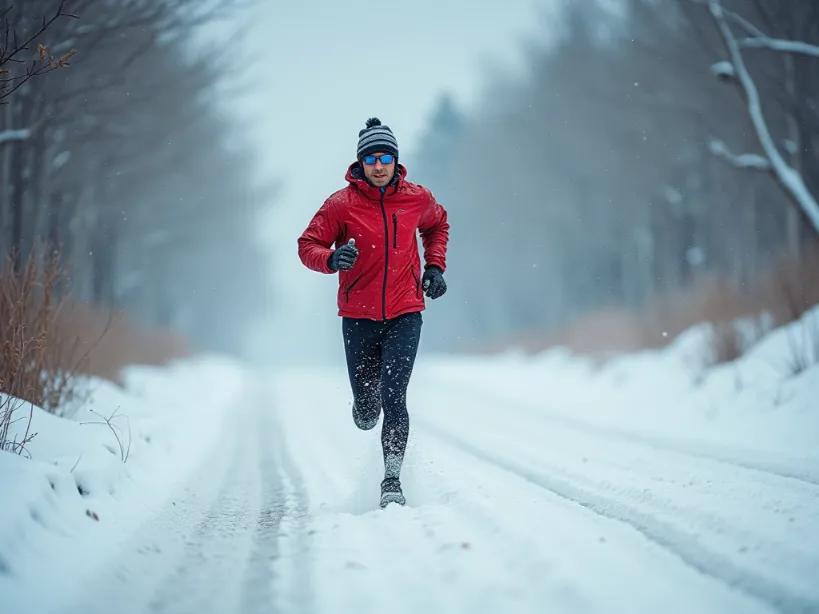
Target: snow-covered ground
<point>536,484</point>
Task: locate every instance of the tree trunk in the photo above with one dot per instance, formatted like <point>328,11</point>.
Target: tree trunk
<point>81,229</point>
<point>20,179</point>
<point>793,222</point>
<point>5,176</point>
<point>16,196</point>
<point>33,202</point>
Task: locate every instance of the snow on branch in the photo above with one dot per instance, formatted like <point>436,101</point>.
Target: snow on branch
<point>750,161</point>
<point>790,180</point>
<point>784,46</point>
<point>759,40</point>
<point>724,71</point>
<point>10,136</point>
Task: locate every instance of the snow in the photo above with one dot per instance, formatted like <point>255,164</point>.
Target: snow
<point>47,526</point>
<point>9,136</point>
<point>723,69</point>
<point>754,402</point>
<point>749,161</point>
<point>649,482</point>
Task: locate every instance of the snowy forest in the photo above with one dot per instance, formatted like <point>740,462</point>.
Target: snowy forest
<point>654,167</point>
<point>627,173</point>
<point>115,157</point>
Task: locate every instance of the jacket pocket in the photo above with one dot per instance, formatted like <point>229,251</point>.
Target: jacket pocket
<point>417,282</point>
<point>394,231</point>
<point>350,287</point>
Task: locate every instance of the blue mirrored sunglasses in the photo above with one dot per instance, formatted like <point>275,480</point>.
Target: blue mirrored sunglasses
<point>385,159</point>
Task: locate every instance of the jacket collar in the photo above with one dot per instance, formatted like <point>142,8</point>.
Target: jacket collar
<point>355,176</point>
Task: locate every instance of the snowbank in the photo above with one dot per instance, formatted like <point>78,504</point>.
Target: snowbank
<point>83,484</point>
<point>78,499</point>
<point>757,406</point>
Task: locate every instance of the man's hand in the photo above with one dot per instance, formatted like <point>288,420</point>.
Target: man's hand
<point>434,284</point>
<point>344,257</point>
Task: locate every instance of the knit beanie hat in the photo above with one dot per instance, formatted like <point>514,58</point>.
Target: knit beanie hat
<point>376,138</point>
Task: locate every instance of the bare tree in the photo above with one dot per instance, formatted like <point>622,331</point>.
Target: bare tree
<point>735,70</point>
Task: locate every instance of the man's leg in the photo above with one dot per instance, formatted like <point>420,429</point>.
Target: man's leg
<point>398,351</point>
<point>363,351</point>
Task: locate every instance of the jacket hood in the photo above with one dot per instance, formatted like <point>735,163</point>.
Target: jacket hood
<point>355,176</point>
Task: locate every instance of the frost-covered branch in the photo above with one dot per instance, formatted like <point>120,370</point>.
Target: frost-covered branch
<point>10,136</point>
<point>790,180</point>
<point>749,161</point>
<point>784,46</point>
<point>759,40</point>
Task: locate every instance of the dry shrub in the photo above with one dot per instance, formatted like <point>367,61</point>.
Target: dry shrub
<point>49,339</point>
<point>724,344</point>
<point>601,333</point>
<point>598,334</point>
<point>710,299</point>
<point>791,286</point>
<point>803,343</point>
<point>107,341</point>
<point>784,291</point>
<point>31,367</point>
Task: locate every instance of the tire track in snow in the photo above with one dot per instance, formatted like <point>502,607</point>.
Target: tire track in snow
<point>140,573</point>
<point>764,589</point>
<point>212,547</point>
<point>261,474</point>
<point>560,560</point>
<point>258,594</point>
<point>282,527</point>
<point>728,456</point>
<point>298,519</point>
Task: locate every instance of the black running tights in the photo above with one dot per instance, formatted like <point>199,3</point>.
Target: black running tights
<point>380,359</point>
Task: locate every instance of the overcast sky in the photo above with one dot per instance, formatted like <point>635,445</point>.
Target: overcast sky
<point>326,66</point>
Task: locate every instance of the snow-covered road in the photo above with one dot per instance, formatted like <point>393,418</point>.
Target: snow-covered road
<point>217,543</point>
<point>509,510</point>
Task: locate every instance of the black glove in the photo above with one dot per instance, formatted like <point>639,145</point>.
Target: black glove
<point>344,257</point>
<point>434,283</point>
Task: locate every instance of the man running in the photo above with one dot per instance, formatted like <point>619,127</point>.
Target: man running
<point>373,222</point>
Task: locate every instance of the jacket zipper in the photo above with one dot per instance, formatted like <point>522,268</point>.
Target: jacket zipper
<point>417,282</point>
<point>350,287</point>
<point>386,258</point>
<point>394,231</point>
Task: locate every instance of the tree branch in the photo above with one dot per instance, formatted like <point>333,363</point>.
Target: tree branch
<point>783,46</point>
<point>759,40</point>
<point>7,57</point>
<point>12,136</point>
<point>747,161</point>
<point>790,180</point>
<point>744,23</point>
<point>10,83</point>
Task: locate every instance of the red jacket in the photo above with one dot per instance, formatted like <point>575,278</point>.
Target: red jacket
<point>385,280</point>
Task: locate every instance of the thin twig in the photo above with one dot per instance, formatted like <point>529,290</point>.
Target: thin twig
<point>122,452</point>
